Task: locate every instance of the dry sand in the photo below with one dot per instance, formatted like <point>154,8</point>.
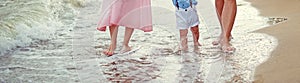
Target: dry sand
<point>284,64</point>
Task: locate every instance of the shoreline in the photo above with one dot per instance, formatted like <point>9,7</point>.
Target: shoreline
<point>283,65</point>
<point>76,56</point>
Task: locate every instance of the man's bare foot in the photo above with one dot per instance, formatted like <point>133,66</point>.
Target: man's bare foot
<point>125,49</point>
<point>109,51</point>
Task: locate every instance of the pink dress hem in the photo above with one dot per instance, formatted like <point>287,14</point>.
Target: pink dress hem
<point>128,13</point>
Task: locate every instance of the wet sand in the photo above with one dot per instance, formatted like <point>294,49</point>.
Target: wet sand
<point>75,56</point>
<point>208,65</point>
<point>284,65</point>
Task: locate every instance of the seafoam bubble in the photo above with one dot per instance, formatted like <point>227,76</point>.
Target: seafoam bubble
<point>23,21</point>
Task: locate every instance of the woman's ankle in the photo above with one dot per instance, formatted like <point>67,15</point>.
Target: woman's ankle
<point>112,46</point>
<point>125,45</point>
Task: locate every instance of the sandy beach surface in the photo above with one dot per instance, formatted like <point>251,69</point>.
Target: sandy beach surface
<point>74,56</point>
<point>284,65</point>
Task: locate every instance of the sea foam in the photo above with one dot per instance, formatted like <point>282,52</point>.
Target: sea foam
<point>25,21</point>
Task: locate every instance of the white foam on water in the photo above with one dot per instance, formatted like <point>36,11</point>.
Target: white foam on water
<point>23,22</point>
<point>252,48</point>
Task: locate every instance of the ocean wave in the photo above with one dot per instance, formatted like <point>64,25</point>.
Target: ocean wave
<point>25,21</point>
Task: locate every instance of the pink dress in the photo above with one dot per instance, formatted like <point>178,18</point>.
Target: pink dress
<point>129,13</point>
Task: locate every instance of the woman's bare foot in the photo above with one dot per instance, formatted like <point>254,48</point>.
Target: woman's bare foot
<point>109,51</point>
<point>125,49</point>
<point>226,47</point>
<point>217,42</point>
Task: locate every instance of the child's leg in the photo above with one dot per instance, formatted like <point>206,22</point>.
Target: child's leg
<point>195,32</point>
<point>113,35</point>
<point>183,39</point>
<point>127,36</point>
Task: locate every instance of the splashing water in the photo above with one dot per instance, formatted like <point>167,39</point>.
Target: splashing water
<point>25,21</point>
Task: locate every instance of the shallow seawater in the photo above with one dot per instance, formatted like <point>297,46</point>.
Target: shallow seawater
<point>208,64</point>
<point>74,54</point>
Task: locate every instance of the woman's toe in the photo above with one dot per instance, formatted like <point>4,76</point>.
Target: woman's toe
<point>215,42</point>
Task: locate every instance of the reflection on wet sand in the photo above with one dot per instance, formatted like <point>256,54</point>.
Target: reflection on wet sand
<point>76,56</point>
<point>159,62</point>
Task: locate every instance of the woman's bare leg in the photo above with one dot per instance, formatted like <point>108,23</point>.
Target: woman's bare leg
<point>113,30</point>
<point>127,36</point>
<point>227,20</point>
<point>219,9</point>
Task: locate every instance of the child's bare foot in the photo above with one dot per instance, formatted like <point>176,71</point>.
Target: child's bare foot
<point>196,46</point>
<point>109,51</point>
<point>125,48</point>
